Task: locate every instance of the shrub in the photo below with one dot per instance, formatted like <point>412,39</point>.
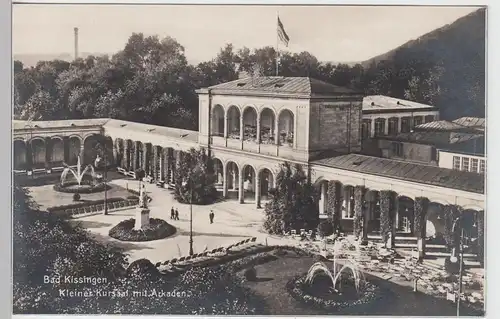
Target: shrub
<point>142,269</point>
<point>325,228</point>
<point>157,229</point>
<point>251,274</point>
<point>76,197</point>
<point>83,204</point>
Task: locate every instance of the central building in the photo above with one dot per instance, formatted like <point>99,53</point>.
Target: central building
<point>288,118</point>
<point>254,124</point>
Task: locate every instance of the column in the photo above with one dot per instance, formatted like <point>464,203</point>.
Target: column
<point>224,180</point>
<point>258,128</point>
<point>225,124</point>
<point>146,159</point>
<point>167,160</point>
<point>372,128</point>
<point>277,131</point>
<point>115,152</point>
<point>161,155</point>
<point>241,191</point>
<point>126,156</point>
<point>257,191</point>
<point>400,121</point>
<point>367,214</point>
<point>322,200</point>
<point>241,127</point>
<point>82,153</point>
<point>154,166</point>
<point>135,156</point>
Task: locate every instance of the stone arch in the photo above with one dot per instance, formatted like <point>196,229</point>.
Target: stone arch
<point>217,120</point>
<point>249,175</point>
<point>232,175</point>
<point>266,182</point>
<point>57,150</point>
<point>90,149</point>
<point>406,214</point>
<point>249,120</point>
<point>267,118</point>
<point>286,127</point>
<point>74,147</point>
<point>38,150</point>
<point>233,122</point>
<point>20,154</point>
<point>434,222</point>
<point>347,209</point>
<point>218,171</point>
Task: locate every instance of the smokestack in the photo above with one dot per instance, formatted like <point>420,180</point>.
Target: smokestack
<point>76,43</point>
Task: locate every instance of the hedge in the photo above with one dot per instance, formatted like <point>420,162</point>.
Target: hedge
<point>359,194</point>
<point>91,206</point>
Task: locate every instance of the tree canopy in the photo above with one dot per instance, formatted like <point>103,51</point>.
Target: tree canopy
<point>151,81</point>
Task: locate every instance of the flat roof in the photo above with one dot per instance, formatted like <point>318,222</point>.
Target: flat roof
<point>413,172</point>
<point>20,124</point>
<point>382,102</point>
<point>153,129</point>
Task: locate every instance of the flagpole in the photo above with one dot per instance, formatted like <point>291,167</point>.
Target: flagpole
<point>277,42</point>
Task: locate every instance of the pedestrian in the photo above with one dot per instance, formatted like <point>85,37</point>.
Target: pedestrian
<point>211,216</point>
<point>172,213</point>
<point>176,217</point>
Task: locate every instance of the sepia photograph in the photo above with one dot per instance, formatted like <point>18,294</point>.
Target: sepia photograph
<point>196,159</point>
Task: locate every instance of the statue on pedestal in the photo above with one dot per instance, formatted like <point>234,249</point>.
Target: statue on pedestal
<point>143,198</point>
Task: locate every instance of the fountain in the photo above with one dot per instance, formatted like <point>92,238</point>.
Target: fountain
<point>79,186</point>
<point>340,287</point>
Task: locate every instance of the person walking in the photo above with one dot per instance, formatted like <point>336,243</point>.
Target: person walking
<point>172,213</point>
<point>176,217</point>
<point>211,216</point>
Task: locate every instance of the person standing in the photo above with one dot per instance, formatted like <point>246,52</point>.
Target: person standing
<point>211,216</point>
<point>176,217</point>
<point>172,213</point>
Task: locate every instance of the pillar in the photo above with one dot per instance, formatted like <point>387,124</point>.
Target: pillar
<point>167,161</point>
<point>154,165</point>
<point>400,121</point>
<point>241,191</point>
<point>277,131</point>
<point>367,214</point>
<point>258,128</point>
<point>82,153</point>
<point>135,156</point>
<point>65,148</point>
<point>322,200</point>
<point>242,130</point>
<point>115,153</point>
<point>372,128</point>
<point>386,127</point>
<point>224,180</point>
<point>146,158</point>
<point>126,156</point>
<point>161,155</point>
<point>225,124</point>
<point>257,190</point>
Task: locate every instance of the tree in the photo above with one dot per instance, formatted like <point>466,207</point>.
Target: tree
<point>195,178</point>
<point>294,202</point>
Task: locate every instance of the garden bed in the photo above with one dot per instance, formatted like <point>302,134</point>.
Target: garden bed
<point>157,229</point>
<point>84,188</point>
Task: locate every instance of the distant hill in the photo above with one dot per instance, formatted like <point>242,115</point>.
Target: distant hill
<point>32,59</point>
<point>459,48</point>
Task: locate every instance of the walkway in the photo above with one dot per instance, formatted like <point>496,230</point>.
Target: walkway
<point>233,222</point>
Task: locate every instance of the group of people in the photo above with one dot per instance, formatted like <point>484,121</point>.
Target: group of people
<point>174,214</point>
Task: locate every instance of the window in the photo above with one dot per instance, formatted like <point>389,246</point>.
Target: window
<point>417,120</point>
<point>379,127</point>
<point>397,149</point>
<point>456,163</point>
<point>465,164</point>
<point>481,167</point>
<point>393,126</point>
<point>473,165</point>
<point>365,129</point>
<point>405,125</point>
<point>429,118</point>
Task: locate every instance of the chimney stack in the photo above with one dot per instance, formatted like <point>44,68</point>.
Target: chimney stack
<point>76,43</point>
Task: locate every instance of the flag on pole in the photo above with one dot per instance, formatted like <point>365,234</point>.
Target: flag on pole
<point>282,34</point>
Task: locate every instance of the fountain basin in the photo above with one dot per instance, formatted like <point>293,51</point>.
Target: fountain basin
<point>320,296</point>
<point>83,188</point>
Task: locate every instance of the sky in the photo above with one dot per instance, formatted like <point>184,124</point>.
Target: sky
<point>331,33</point>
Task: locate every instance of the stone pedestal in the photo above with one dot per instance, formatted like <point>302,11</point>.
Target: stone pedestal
<point>141,218</point>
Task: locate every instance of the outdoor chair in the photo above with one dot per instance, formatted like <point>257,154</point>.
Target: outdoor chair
<point>253,239</point>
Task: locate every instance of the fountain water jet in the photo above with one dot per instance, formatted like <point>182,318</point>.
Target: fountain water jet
<point>78,174</point>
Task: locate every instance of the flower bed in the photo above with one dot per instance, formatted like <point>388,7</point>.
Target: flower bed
<point>84,188</point>
<point>91,206</point>
<point>157,229</point>
<point>297,289</point>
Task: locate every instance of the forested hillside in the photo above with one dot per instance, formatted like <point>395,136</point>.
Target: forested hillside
<point>150,80</point>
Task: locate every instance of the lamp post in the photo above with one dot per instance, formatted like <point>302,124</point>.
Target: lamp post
<point>190,218</point>
<point>460,272</point>
<point>105,180</point>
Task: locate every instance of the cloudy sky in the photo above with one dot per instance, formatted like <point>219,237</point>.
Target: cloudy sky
<point>332,33</point>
